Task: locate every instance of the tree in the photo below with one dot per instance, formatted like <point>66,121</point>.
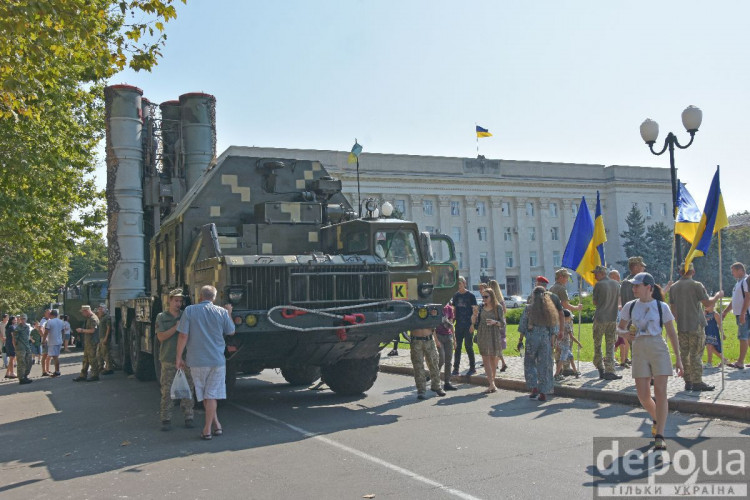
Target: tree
<point>90,256</point>
<point>734,248</point>
<point>635,237</point>
<point>54,59</point>
<point>659,256</point>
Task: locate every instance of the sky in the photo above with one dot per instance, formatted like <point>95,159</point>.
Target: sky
<point>553,81</point>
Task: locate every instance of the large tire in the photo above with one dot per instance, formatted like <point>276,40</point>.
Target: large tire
<point>350,377</point>
<point>300,374</point>
<point>142,363</point>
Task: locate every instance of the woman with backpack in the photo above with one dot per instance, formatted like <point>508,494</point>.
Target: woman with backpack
<point>490,327</point>
<point>641,323</point>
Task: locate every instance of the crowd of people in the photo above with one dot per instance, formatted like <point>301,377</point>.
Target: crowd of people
<point>630,315</point>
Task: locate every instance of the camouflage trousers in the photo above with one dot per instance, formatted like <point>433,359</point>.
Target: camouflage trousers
<point>605,329</point>
<point>421,351</point>
<point>103,356</point>
<point>445,354</point>
<point>23,364</point>
<point>691,351</point>
<point>168,371</point>
<point>89,359</point>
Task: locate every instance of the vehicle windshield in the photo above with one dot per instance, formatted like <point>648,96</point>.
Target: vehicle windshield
<point>398,247</point>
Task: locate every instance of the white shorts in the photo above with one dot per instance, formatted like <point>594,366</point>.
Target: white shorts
<point>209,381</point>
<point>650,357</point>
<point>53,350</point>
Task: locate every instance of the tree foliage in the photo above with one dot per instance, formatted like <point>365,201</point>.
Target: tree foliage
<point>90,256</point>
<point>659,256</point>
<point>635,242</point>
<point>54,59</point>
<point>734,248</point>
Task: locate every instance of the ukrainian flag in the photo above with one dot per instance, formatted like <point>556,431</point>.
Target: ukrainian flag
<point>688,215</point>
<point>483,132</point>
<point>714,219</point>
<point>356,150</point>
<point>600,235</point>
<point>581,253</point>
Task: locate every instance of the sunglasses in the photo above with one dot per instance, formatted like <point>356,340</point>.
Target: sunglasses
<point>485,296</point>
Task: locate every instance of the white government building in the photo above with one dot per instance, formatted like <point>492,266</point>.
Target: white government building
<point>510,220</point>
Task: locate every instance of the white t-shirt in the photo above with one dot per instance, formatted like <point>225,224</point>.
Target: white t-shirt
<point>646,316</point>
<point>737,298</point>
<point>55,327</point>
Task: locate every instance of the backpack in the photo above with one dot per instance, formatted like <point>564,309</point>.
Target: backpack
<point>658,306</point>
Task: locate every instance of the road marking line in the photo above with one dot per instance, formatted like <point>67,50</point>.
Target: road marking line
<point>361,454</point>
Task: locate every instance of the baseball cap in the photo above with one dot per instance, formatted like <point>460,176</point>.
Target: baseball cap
<point>643,279</point>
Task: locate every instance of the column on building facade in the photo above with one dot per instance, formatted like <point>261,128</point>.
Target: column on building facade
<point>498,243</point>
<point>546,245</point>
<point>416,215</point>
<point>521,235</point>
<point>471,257</point>
<point>444,216</point>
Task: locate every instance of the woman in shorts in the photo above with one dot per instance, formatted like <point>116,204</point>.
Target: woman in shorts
<point>646,315</point>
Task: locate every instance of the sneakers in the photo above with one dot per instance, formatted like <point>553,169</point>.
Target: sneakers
<point>471,372</point>
<point>79,379</point>
<point>421,396</point>
<point>707,365</point>
<point>439,392</point>
<point>394,352</point>
<point>611,376</point>
<point>542,397</point>
<point>455,371</point>
<point>166,425</point>
<point>702,386</point>
<point>559,377</point>
<point>24,381</point>
<point>688,386</point>
<point>53,375</point>
<point>93,379</point>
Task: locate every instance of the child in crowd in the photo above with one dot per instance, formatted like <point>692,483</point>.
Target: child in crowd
<point>713,341</point>
<point>36,344</point>
<point>565,345</point>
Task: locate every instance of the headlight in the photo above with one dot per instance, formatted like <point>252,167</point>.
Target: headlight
<point>371,205</point>
<point>235,295</point>
<point>422,312</point>
<point>251,320</point>
<point>425,289</point>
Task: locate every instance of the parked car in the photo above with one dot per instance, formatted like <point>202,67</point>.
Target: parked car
<point>514,301</point>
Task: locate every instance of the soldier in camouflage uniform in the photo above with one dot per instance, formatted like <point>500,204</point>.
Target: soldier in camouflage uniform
<point>423,347</point>
<point>166,332</point>
<point>90,332</point>
<point>23,349</point>
<point>105,327</point>
<point>606,293</point>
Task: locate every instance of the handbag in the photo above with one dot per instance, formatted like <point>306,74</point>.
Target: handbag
<point>180,388</point>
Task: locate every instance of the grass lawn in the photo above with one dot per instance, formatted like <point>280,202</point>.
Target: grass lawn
<point>731,344</point>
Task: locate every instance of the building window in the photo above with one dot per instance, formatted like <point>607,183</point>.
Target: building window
<point>574,209</point>
<point>427,207</point>
<point>555,234</point>
<point>649,210</point>
<point>455,208</point>
<point>556,258</point>
<point>508,234</point>
<point>532,259</point>
<point>430,229</point>
<point>553,209</point>
<point>529,209</point>
<point>482,232</point>
<point>460,256</point>
<point>481,209</point>
<point>484,262</point>
<point>508,259</point>
<point>400,206</point>
<point>663,209</point>
<point>532,234</point>
<point>456,232</point>
<point>506,208</point>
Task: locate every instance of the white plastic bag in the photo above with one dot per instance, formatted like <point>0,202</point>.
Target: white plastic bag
<point>180,387</point>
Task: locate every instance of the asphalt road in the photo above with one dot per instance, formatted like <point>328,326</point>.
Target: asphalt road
<point>60,439</point>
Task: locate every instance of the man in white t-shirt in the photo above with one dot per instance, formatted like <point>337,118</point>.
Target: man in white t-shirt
<point>53,331</point>
<point>740,305</point>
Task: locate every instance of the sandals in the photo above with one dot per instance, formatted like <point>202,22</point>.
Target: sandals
<point>659,443</point>
<point>206,437</point>
<point>490,391</point>
<point>218,432</point>
<point>505,367</point>
<point>736,365</point>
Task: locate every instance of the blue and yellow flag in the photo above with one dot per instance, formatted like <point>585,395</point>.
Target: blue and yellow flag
<point>600,235</point>
<point>356,150</point>
<point>688,215</point>
<point>581,253</point>
<point>483,132</point>
<point>714,218</point>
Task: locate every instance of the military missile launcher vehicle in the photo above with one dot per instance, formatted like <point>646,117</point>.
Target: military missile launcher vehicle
<point>315,289</point>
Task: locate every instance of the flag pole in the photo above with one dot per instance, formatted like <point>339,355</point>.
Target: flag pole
<point>721,325</point>
<point>475,126</point>
<point>359,196</point>
<point>580,303</point>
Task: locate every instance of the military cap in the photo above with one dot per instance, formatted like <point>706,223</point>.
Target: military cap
<point>562,272</point>
<point>691,267</point>
<point>600,269</point>
<point>636,260</point>
<point>177,292</point>
<point>86,308</point>
<point>542,279</point>
<point>23,316</point>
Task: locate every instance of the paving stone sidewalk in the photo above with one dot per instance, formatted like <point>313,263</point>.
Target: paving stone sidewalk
<point>731,402</point>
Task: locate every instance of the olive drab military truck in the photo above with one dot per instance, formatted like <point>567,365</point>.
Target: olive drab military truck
<point>315,290</point>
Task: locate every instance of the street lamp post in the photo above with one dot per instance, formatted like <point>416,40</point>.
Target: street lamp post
<point>691,119</point>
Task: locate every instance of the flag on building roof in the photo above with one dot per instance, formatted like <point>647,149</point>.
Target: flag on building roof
<point>483,132</point>
<point>356,150</point>
<point>581,253</point>
<point>714,218</point>
<point>600,235</point>
<point>688,215</point>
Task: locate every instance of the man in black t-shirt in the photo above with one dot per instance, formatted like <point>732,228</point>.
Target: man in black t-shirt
<point>465,304</point>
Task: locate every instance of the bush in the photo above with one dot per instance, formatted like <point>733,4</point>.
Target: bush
<point>513,316</point>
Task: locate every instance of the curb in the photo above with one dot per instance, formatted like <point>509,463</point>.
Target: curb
<point>720,410</point>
